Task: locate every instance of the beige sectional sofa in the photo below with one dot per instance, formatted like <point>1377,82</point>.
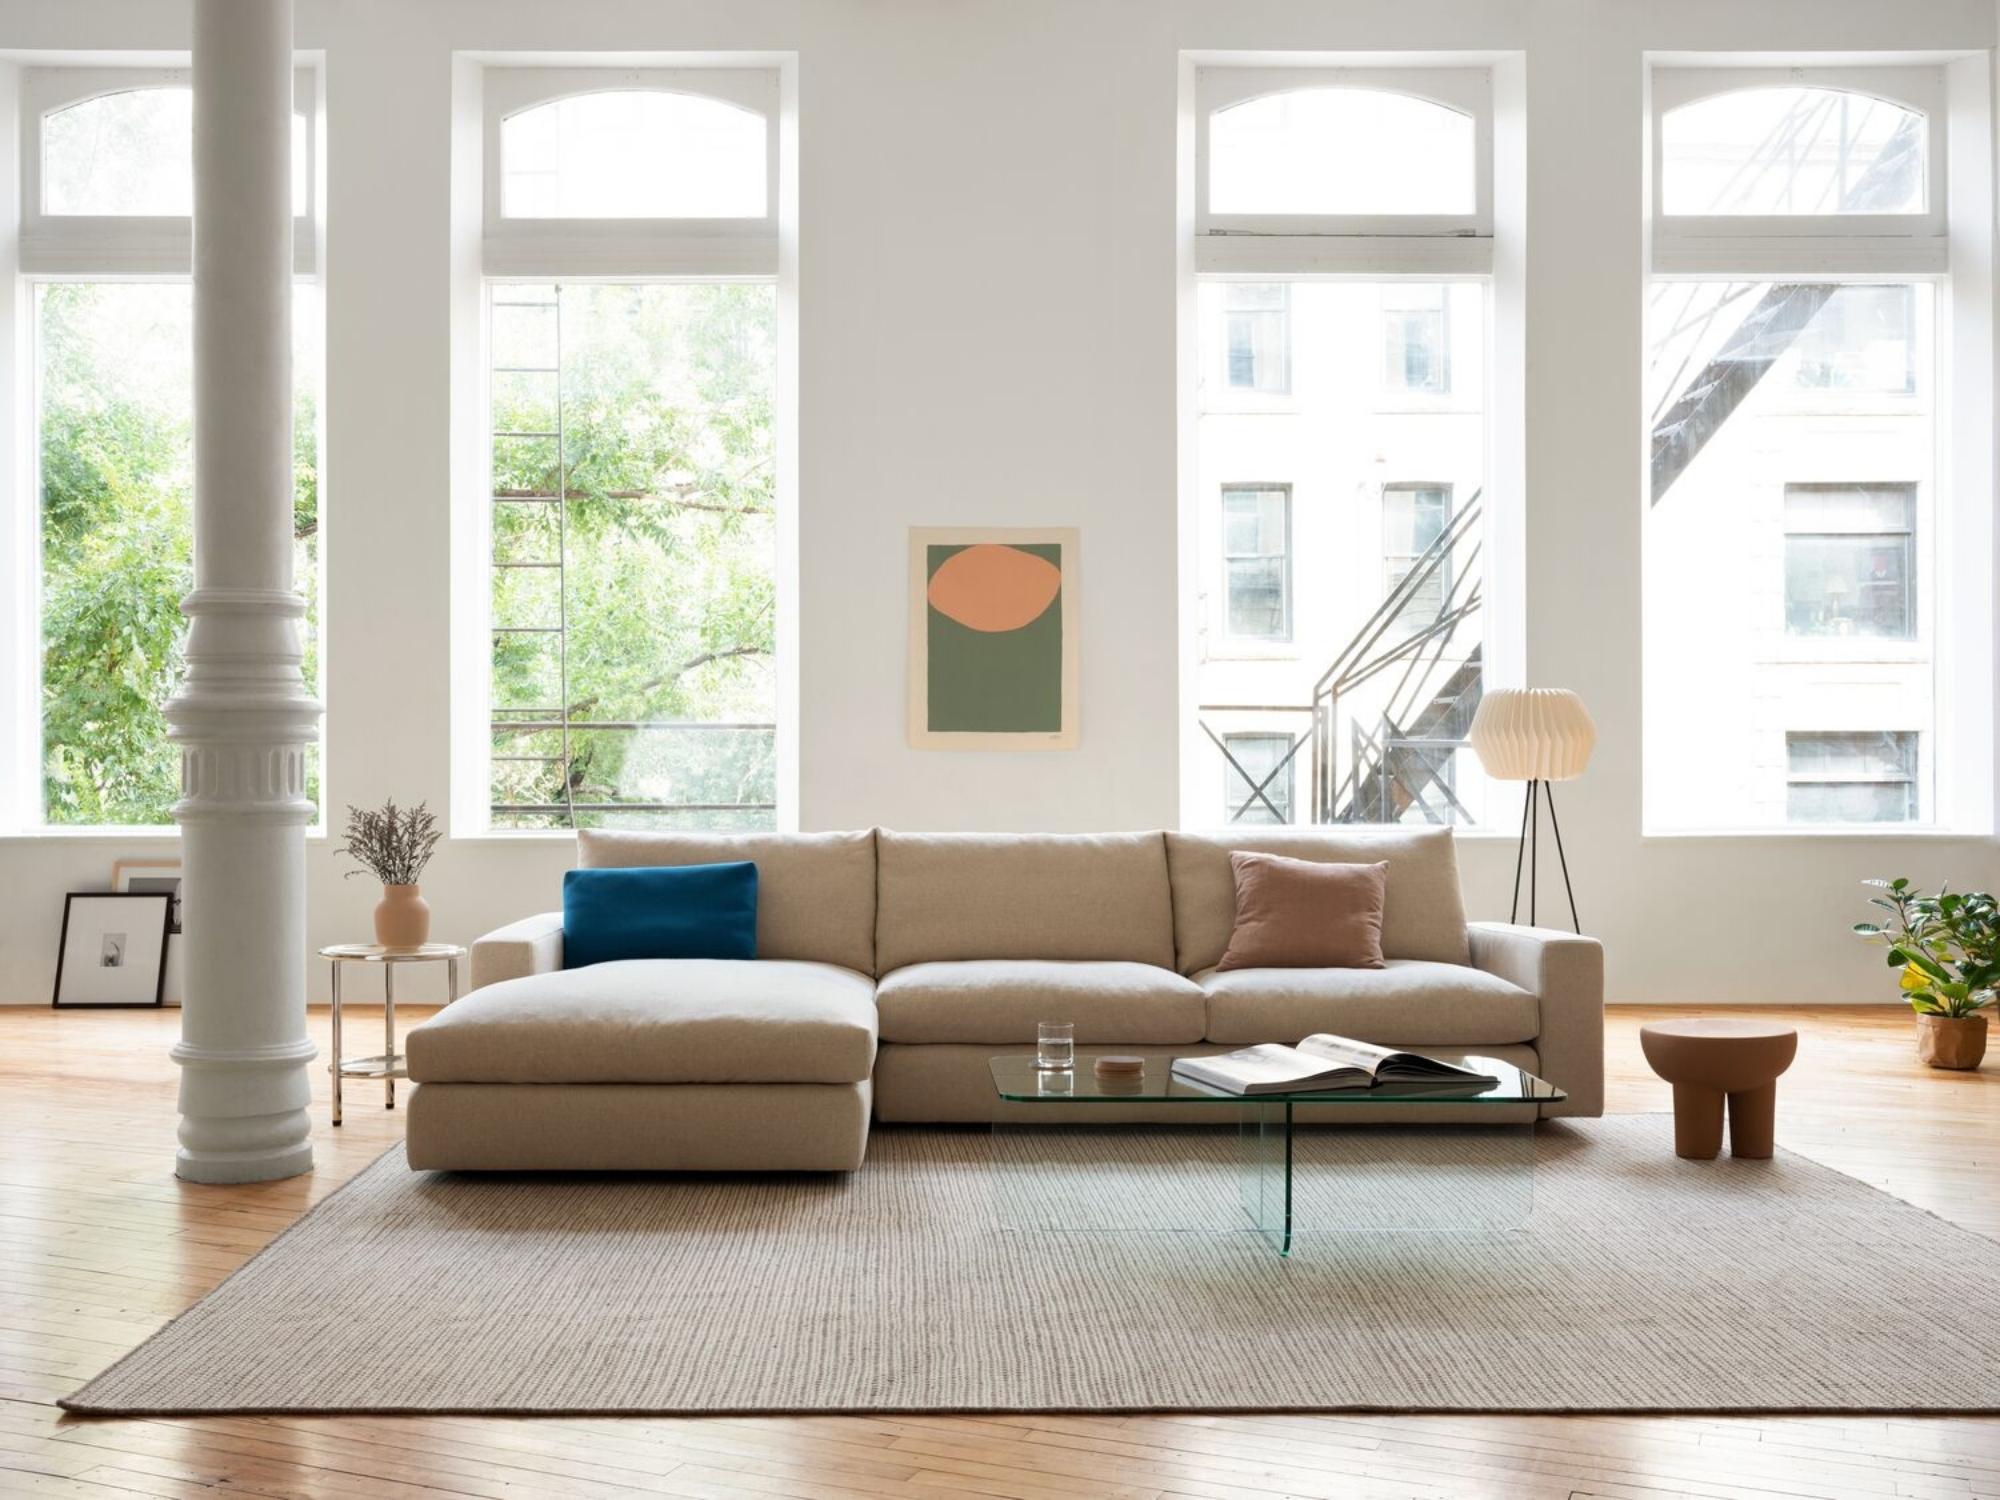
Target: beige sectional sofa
<point>891,966</point>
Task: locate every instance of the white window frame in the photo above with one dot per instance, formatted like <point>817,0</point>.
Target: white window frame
<point>1790,245</point>
<point>100,245</point>
<point>1952,238</point>
<point>525,248</point>
<point>1362,244</point>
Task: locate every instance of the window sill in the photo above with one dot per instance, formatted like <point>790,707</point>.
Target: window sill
<point>1419,405</point>
<point>1468,833</point>
<point>114,834</point>
<point>1839,653</point>
<point>1248,652</point>
<point>517,836</point>
<point>1277,406</point>
<point>1874,832</point>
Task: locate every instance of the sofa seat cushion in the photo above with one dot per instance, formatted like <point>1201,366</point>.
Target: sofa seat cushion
<point>1001,1000</point>
<point>1407,1002</point>
<point>657,1020</point>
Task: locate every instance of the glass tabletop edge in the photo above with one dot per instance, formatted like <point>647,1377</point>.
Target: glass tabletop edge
<point>1526,1088</point>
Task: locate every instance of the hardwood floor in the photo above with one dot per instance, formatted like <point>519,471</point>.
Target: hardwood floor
<point>99,1245</point>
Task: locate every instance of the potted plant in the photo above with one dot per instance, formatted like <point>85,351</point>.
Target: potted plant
<point>394,844</point>
<point>1948,948</point>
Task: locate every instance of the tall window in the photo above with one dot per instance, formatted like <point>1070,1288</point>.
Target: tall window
<point>1340,614</point>
<point>632,520</point>
<point>1794,490</point>
<point>110,181</point>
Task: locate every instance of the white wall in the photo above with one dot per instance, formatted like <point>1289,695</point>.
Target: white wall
<point>988,335</point>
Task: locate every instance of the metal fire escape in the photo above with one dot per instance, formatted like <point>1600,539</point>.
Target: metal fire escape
<point>1398,758</point>
<point>1388,761</point>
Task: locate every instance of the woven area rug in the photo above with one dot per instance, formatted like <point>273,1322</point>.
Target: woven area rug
<point>1638,1283</point>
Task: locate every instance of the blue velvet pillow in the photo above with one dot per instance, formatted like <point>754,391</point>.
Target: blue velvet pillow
<point>660,911</point>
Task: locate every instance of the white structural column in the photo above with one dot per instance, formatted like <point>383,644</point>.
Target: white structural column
<point>242,717</point>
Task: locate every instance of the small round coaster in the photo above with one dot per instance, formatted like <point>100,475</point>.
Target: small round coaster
<point>1119,1066</point>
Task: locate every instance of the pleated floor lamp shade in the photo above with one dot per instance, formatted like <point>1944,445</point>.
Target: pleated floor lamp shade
<point>1533,734</point>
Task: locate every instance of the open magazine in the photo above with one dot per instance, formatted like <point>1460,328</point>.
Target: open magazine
<point>1322,1063</point>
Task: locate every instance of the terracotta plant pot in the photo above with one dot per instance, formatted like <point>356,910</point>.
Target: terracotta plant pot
<point>1943,1042</point>
<point>402,917</point>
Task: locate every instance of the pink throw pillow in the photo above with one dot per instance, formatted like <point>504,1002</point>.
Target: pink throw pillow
<point>1301,914</point>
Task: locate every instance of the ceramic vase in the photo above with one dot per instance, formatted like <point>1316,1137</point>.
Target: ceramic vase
<point>402,917</point>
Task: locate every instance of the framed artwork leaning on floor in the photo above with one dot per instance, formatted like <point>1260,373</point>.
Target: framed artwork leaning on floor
<point>113,950</point>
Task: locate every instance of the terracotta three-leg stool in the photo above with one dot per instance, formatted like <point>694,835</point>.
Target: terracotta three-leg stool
<point>1712,1058</point>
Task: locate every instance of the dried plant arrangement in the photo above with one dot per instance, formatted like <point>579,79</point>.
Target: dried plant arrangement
<point>393,844</point>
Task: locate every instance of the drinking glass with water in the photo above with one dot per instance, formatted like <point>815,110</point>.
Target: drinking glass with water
<point>1055,1046</point>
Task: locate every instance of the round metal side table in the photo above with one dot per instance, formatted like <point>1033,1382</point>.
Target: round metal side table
<point>389,1066</point>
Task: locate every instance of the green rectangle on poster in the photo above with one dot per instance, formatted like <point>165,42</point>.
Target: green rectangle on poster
<point>995,681</point>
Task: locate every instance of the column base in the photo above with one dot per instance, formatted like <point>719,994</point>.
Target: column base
<point>246,1116</point>
<point>225,1167</point>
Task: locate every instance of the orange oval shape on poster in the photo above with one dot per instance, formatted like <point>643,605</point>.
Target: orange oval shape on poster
<point>992,587</point>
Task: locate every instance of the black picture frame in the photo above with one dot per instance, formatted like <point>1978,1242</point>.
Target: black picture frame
<point>158,1001</point>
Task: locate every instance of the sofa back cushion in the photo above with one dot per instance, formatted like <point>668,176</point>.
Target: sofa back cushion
<point>1423,914</point>
<point>953,896</point>
<point>815,891</point>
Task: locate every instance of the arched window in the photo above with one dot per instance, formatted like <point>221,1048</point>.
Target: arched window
<point>635,338</point>
<point>1792,150</point>
<point>130,153</point>
<point>1344,452</point>
<point>1341,150</point>
<point>634,154</point>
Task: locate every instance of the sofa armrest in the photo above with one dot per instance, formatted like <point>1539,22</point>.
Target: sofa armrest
<point>1565,973</point>
<point>533,945</point>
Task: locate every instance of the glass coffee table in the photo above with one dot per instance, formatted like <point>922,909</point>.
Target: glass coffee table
<point>1398,1176</point>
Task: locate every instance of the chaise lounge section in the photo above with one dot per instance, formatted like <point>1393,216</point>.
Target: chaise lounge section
<point>892,966</point>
